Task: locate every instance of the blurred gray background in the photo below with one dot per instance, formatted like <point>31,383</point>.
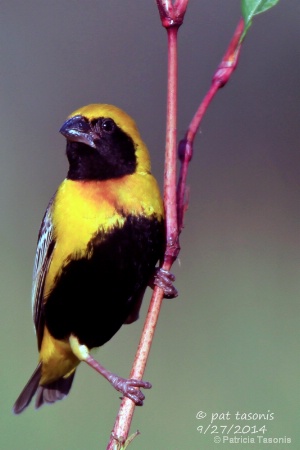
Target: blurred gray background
<point>230,341</point>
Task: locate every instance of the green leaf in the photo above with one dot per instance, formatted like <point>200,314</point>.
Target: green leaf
<point>251,8</point>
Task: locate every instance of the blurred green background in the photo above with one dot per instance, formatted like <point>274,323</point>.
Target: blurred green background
<point>230,341</point>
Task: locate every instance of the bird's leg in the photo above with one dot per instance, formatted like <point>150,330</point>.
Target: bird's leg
<point>128,387</point>
<point>164,279</point>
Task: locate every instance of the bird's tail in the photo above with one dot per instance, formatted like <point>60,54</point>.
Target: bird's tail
<point>50,393</point>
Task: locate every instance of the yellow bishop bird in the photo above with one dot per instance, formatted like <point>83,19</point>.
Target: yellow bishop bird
<point>98,245</point>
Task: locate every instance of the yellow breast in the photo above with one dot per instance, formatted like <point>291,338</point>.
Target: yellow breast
<point>83,208</point>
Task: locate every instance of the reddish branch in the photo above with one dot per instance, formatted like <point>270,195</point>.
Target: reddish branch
<point>172,15</point>
<point>185,148</point>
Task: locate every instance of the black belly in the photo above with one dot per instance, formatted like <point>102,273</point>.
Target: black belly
<point>93,297</point>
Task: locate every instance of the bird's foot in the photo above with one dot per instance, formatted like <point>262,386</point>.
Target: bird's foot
<point>130,388</point>
<point>164,280</point>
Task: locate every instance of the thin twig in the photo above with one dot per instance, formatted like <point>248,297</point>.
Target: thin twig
<point>219,80</point>
<point>171,17</point>
<point>170,178</point>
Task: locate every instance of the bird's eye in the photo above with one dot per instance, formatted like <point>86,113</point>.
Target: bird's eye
<point>108,125</point>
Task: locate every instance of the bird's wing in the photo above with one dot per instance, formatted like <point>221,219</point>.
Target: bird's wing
<point>43,257</point>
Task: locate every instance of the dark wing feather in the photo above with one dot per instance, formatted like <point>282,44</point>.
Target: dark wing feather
<point>57,390</point>
<point>28,392</point>
<point>43,257</point>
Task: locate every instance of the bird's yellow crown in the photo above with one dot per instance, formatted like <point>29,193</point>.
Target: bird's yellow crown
<point>124,122</point>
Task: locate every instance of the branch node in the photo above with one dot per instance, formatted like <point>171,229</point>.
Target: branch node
<point>185,151</point>
<point>171,14</point>
<point>172,249</point>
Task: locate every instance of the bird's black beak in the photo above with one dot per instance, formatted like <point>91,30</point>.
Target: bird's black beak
<point>78,129</point>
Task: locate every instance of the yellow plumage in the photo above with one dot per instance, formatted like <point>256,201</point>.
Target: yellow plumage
<point>101,236</point>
